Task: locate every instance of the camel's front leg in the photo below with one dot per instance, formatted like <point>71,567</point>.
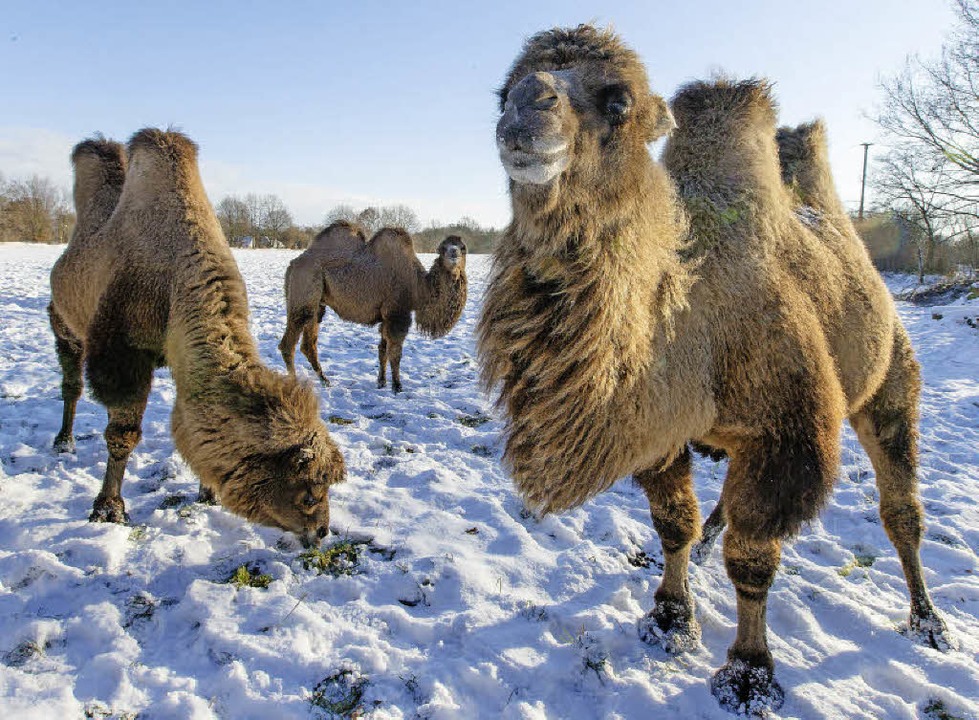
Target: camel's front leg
<point>394,329</point>
<point>121,436</point>
<point>746,683</point>
<point>676,517</point>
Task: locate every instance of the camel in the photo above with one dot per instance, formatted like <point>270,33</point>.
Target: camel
<point>635,308</point>
<point>379,281</point>
<point>148,280</point>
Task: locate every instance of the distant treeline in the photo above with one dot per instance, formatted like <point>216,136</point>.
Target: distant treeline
<point>34,210</point>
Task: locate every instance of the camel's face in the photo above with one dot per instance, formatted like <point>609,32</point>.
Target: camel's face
<point>292,488</point>
<point>576,103</point>
<point>452,251</point>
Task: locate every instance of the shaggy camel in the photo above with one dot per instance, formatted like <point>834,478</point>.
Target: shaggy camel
<point>380,281</point>
<point>627,316</point>
<point>148,280</point>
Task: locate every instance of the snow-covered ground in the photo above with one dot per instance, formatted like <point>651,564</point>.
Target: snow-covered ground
<point>460,605</point>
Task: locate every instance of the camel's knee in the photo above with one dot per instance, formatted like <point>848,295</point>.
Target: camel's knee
<point>903,520</point>
<point>751,564</point>
<point>121,438</point>
<point>672,503</point>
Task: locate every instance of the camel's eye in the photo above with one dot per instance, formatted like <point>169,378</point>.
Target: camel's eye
<point>616,103</point>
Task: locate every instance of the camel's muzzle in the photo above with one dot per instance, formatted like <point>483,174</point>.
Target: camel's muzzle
<point>533,147</point>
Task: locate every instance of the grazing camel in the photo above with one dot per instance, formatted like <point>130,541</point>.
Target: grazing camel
<point>627,316</point>
<point>148,280</point>
<point>380,281</point>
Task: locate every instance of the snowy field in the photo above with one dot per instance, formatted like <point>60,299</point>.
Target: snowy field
<point>450,601</point>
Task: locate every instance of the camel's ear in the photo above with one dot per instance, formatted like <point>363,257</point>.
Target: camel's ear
<point>661,121</point>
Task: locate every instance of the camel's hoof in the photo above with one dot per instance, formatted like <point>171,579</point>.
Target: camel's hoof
<point>64,444</point>
<point>205,496</point>
<point>929,629</point>
<point>745,689</point>
<point>324,380</point>
<point>381,383</point>
<point>109,510</point>
<point>671,625</point>
<point>396,387</point>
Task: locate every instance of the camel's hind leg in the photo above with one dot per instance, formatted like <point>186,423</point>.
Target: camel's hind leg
<point>287,345</point>
<point>887,429</point>
<point>676,517</point>
<point>382,361</point>
<point>311,331</point>
<point>70,352</point>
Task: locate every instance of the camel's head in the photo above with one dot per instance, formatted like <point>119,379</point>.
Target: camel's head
<point>273,460</point>
<point>452,254</point>
<point>294,482</point>
<point>576,101</point>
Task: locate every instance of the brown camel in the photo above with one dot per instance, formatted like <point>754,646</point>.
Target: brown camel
<point>380,281</point>
<point>627,316</point>
<point>148,280</point>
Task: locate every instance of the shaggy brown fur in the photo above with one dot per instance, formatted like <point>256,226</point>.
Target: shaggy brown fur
<point>153,283</point>
<point>615,336</point>
<point>380,281</point>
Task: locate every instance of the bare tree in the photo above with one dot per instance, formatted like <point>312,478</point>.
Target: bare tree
<point>235,221</point>
<point>400,216</point>
<point>930,113</point>
<point>340,212</point>
<point>370,219</point>
<point>273,218</point>
<point>32,210</point>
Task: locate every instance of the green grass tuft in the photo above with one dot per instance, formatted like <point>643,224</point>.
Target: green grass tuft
<point>249,577</point>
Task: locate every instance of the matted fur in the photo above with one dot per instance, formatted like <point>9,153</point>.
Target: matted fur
<point>380,281</point>
<point>586,283</point>
<point>156,283</point>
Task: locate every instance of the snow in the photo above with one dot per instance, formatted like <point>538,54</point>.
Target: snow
<point>461,605</point>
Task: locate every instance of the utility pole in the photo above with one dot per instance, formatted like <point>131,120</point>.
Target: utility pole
<point>863,182</point>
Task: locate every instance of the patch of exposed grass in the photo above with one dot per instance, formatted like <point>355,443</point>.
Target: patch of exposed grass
<point>23,654</point>
<point>340,420</point>
<point>171,501</point>
<point>342,558</point>
<point>246,576</point>
<point>341,695</point>
<point>935,710</point>
<point>138,533</point>
<point>859,560</point>
<point>481,451</point>
<point>473,421</point>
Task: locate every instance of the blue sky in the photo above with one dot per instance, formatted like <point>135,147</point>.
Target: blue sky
<point>385,102</point>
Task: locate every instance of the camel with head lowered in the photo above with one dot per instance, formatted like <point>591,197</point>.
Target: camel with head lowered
<point>148,280</point>
<point>635,308</point>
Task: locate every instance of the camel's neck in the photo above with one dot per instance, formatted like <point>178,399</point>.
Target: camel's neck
<point>570,336</point>
<point>441,299</point>
<point>207,337</point>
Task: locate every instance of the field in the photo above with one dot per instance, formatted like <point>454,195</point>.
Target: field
<point>439,596</point>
